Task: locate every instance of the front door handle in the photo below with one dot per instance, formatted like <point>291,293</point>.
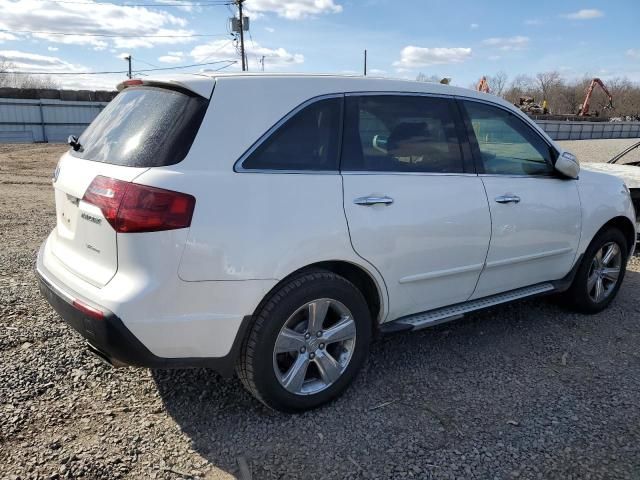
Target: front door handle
<point>508,198</point>
<point>373,200</point>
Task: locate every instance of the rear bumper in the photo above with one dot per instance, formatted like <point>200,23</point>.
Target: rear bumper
<point>113,341</point>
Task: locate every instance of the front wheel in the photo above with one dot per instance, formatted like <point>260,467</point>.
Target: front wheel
<point>307,343</point>
<point>600,274</point>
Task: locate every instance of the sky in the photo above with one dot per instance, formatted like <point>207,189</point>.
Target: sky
<point>463,40</point>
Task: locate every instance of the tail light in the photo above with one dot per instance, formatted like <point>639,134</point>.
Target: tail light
<point>130,207</point>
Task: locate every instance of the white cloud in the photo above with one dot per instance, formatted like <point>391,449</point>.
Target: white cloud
<point>412,57</point>
<point>473,26</point>
<point>507,43</point>
<point>494,58</point>
<point>6,36</point>
<point>533,21</point>
<point>225,50</point>
<point>270,29</point>
<point>633,53</point>
<point>187,6</point>
<point>292,9</point>
<point>80,20</point>
<point>34,62</point>
<point>53,49</point>
<point>377,71</point>
<point>88,82</point>
<point>584,14</point>
<point>170,59</point>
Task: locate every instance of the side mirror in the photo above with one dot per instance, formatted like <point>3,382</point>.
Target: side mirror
<point>567,164</point>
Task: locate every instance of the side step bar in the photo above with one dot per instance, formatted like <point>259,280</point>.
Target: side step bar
<point>446,314</point>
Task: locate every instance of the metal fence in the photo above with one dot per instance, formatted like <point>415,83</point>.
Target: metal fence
<point>563,130</point>
<point>28,121</point>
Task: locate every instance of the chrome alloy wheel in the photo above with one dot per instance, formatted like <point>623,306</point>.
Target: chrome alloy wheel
<point>314,347</point>
<point>604,272</point>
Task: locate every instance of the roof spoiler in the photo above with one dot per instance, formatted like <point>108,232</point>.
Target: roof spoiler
<point>170,85</point>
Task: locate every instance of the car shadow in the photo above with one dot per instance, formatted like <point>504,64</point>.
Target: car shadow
<point>422,397</point>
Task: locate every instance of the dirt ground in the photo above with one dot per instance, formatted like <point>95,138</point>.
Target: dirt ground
<point>527,390</point>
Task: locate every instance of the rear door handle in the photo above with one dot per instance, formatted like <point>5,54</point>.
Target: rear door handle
<point>508,198</point>
<point>373,200</point>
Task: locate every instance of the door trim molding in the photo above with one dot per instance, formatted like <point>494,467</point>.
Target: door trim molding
<point>527,258</point>
<point>441,273</point>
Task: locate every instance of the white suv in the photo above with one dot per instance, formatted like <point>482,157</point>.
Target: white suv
<point>272,224</point>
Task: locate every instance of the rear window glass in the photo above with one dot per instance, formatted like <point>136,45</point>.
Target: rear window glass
<point>307,141</point>
<point>144,127</point>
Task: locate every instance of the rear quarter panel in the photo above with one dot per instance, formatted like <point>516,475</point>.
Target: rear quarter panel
<point>248,225</point>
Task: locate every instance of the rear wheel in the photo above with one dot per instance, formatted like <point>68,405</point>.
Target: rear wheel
<point>307,343</point>
<point>600,274</point>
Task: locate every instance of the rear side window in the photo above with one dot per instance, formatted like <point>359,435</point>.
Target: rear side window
<point>144,127</point>
<point>398,133</point>
<point>307,141</point>
<point>506,144</point>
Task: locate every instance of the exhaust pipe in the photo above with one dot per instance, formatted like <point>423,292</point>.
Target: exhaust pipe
<point>103,357</point>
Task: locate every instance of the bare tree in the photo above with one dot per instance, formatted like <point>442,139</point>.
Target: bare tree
<point>498,83</point>
<point>427,78</point>
<point>9,77</point>
<point>546,81</point>
<point>520,85</point>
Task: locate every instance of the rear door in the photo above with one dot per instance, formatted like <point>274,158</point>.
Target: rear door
<point>415,210</point>
<point>143,127</point>
<point>535,213</point>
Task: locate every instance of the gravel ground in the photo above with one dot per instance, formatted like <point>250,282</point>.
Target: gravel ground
<point>597,150</point>
<point>526,390</point>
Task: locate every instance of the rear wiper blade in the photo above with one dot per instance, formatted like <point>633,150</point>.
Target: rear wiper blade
<point>73,142</point>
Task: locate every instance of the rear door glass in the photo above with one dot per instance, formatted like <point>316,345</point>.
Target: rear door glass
<point>144,127</point>
<point>397,133</point>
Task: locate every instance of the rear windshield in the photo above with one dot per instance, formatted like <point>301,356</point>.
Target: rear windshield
<point>144,127</point>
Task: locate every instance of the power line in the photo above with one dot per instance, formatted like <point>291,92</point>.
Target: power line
<point>230,62</point>
<point>178,4</point>
<point>138,59</point>
<point>216,50</point>
<point>113,35</point>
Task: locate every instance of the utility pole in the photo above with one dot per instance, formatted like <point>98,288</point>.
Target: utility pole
<point>262,62</point>
<point>128,59</point>
<point>244,65</point>
<point>365,62</point>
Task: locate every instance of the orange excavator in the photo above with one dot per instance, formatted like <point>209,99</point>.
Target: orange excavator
<point>584,110</point>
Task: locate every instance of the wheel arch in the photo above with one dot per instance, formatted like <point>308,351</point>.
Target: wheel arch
<point>373,290</point>
<point>625,226</point>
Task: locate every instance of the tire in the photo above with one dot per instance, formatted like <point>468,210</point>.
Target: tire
<point>327,361</point>
<point>582,295</point>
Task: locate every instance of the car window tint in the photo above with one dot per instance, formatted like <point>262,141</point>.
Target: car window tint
<point>507,145</point>
<point>307,141</point>
<point>401,134</point>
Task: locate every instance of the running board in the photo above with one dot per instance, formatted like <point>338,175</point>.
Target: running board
<point>446,314</point>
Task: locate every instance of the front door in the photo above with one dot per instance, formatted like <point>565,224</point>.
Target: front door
<point>414,211</point>
<point>535,213</point>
